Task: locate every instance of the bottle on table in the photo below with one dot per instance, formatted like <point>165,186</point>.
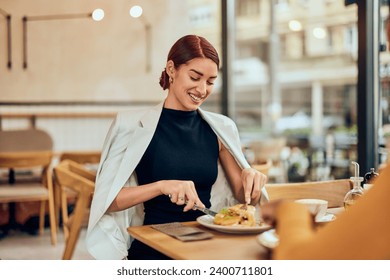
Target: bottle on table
<point>357,191</point>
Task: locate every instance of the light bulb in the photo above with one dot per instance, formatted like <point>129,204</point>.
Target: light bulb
<point>136,11</point>
<point>97,14</point>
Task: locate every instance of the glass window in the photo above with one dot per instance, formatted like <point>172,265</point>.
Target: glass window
<point>297,79</point>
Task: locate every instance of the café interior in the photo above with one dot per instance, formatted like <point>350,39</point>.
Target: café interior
<point>306,82</point>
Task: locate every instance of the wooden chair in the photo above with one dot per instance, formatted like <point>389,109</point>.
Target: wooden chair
<point>74,176</point>
<point>64,198</point>
<point>42,191</point>
<point>333,191</point>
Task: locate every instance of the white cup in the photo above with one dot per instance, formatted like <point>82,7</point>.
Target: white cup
<point>316,207</point>
<point>366,187</point>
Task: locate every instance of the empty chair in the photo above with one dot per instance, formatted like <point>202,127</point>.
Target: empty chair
<point>66,197</point>
<point>74,176</point>
<point>21,143</point>
<point>40,191</point>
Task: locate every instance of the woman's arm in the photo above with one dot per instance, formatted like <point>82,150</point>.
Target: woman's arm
<point>246,183</point>
<point>181,192</point>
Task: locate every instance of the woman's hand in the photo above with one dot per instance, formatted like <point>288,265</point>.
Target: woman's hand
<point>181,192</point>
<point>252,181</point>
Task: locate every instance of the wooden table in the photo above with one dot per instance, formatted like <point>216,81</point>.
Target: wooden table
<point>222,246</point>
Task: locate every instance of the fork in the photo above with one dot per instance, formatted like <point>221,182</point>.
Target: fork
<point>244,206</point>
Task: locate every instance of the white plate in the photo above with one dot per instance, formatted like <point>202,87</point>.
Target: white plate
<point>208,222</point>
<point>268,239</point>
<point>328,217</point>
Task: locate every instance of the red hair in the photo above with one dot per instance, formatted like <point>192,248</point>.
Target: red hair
<point>185,49</point>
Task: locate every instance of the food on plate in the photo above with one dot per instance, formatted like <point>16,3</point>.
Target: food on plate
<point>237,215</point>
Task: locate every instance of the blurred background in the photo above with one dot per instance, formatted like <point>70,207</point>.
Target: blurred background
<point>289,76</point>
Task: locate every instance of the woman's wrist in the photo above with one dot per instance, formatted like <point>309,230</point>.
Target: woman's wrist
<point>161,187</point>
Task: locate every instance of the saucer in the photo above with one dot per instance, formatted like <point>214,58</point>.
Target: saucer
<point>268,239</point>
<point>328,217</point>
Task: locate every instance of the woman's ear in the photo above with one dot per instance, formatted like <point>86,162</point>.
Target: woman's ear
<point>170,68</point>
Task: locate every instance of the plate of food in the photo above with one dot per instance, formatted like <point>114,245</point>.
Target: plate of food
<point>236,219</point>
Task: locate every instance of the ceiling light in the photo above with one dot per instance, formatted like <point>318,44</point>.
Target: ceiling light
<point>97,14</point>
<point>136,11</point>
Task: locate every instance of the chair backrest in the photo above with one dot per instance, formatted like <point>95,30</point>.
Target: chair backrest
<point>75,176</point>
<point>84,157</point>
<point>25,140</point>
<point>333,191</point>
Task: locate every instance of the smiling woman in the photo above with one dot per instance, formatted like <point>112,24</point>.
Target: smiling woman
<point>158,163</point>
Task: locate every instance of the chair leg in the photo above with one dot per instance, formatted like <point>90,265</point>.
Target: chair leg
<point>78,216</point>
<point>57,201</point>
<point>52,217</point>
<point>64,213</point>
<point>42,217</point>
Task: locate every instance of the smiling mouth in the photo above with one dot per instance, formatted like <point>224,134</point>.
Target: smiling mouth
<point>195,98</point>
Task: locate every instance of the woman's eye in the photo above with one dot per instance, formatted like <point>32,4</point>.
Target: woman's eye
<point>198,79</point>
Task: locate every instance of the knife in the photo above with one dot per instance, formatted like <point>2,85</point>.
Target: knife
<point>205,210</point>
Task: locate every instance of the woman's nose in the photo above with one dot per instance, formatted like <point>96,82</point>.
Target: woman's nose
<point>201,88</point>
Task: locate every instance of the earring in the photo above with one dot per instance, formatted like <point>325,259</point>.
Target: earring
<point>170,80</point>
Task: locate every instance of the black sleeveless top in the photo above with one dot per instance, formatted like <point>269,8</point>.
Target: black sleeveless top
<point>183,147</point>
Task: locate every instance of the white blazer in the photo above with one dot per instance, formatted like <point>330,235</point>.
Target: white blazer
<point>125,143</point>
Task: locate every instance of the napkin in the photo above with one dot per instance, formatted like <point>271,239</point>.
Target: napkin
<point>183,233</point>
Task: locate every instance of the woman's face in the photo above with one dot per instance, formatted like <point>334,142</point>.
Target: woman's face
<point>192,83</point>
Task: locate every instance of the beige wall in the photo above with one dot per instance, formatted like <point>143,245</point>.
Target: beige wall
<point>84,60</point>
